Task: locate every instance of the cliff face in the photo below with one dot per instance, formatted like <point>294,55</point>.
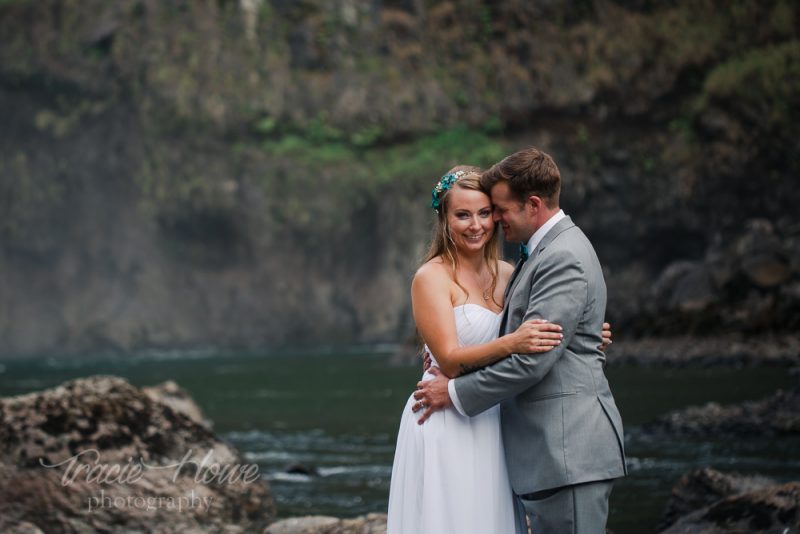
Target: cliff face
<point>248,173</point>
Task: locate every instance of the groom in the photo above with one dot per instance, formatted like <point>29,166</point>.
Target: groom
<point>561,428</point>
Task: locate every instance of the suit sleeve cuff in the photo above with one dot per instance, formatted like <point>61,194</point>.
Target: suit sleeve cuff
<point>451,389</point>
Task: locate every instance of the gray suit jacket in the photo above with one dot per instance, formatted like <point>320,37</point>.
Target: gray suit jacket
<point>559,421</point>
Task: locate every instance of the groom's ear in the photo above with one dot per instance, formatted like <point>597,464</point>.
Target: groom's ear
<point>535,203</point>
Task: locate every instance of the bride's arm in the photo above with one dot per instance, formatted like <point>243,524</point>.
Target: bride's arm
<point>433,313</point>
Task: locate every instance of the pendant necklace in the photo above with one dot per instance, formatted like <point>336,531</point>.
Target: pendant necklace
<point>487,293</point>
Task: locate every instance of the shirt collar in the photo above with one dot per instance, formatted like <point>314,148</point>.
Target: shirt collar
<point>537,236</point>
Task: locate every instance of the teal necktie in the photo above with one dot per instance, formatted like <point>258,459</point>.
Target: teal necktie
<point>523,251</point>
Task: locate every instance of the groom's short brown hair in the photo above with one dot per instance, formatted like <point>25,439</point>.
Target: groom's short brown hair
<point>528,172</point>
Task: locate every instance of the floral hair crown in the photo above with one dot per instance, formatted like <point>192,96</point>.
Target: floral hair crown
<point>444,184</point>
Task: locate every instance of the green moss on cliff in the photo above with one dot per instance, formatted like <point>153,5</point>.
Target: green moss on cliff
<point>761,87</point>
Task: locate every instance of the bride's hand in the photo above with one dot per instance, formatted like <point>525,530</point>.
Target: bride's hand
<point>536,335</point>
<point>606,334</point>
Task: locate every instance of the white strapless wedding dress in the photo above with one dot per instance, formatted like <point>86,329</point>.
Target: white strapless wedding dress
<point>449,474</point>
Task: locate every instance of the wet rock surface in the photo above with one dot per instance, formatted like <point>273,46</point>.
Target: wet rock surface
<point>776,415</point>
<point>99,454</point>
<point>730,350</point>
<point>708,501</point>
<point>742,286</point>
<point>318,524</point>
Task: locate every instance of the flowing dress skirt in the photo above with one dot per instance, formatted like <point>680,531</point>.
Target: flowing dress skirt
<point>449,475</point>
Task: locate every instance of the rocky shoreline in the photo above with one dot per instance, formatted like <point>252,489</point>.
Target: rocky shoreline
<point>322,524</point>
<point>729,350</point>
<point>58,448</point>
<point>775,415</point>
<point>98,454</point>
<point>705,500</point>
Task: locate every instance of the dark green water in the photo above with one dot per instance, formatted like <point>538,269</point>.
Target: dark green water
<point>338,413</point>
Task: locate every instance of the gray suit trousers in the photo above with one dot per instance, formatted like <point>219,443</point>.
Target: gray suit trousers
<point>576,509</point>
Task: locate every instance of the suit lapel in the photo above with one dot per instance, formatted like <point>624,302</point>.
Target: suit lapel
<point>511,280</point>
<point>548,238</point>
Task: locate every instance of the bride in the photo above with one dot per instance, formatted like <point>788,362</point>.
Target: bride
<point>449,475</point>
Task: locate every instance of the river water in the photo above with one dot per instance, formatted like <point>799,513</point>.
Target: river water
<point>336,414</point>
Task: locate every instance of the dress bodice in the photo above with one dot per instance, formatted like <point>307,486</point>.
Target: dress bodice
<point>475,324</point>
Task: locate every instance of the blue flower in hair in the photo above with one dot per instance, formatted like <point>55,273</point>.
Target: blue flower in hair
<point>444,184</point>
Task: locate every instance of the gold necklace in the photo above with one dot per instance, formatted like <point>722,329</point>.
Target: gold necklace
<point>487,293</point>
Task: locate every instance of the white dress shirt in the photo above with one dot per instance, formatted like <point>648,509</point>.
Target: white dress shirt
<point>533,242</point>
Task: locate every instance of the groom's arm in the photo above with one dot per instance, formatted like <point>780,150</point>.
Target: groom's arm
<point>559,295</point>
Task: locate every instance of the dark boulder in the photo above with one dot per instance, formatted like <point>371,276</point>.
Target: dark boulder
<point>763,255</point>
<point>685,286</point>
<point>301,469</point>
<point>776,415</point>
<point>703,487</point>
<point>98,454</point>
<point>707,501</point>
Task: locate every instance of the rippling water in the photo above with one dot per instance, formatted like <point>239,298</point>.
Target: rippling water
<point>322,426</point>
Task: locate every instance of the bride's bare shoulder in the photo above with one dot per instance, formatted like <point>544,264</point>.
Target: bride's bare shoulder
<point>433,270</point>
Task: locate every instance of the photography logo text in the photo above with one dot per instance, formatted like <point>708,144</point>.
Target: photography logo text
<point>87,467</point>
